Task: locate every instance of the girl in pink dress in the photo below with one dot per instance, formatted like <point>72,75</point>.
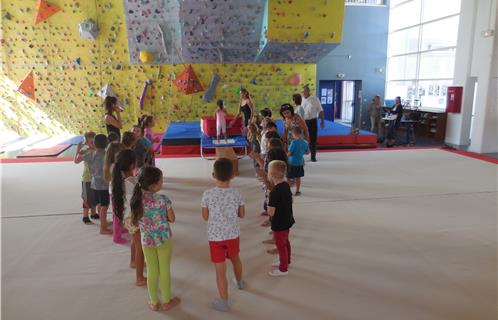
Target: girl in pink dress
<point>221,122</point>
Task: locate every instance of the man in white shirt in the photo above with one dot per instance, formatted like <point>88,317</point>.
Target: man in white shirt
<point>312,110</point>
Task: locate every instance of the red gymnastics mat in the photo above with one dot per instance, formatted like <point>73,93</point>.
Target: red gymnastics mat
<point>45,152</point>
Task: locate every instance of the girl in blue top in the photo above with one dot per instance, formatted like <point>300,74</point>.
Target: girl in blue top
<point>153,213</point>
<point>297,148</point>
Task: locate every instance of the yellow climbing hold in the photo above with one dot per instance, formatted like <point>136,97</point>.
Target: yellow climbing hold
<point>146,56</point>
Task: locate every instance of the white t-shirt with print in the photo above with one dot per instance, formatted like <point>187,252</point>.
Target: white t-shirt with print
<point>223,205</point>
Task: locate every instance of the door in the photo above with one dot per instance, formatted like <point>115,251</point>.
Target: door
<point>347,102</point>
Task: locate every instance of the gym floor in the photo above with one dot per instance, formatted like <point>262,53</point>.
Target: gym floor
<point>387,234</point>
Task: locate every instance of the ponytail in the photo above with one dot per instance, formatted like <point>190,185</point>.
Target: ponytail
<point>136,205</point>
<point>125,161</point>
<point>118,192</point>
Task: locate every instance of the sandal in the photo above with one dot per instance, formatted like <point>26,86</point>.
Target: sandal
<point>266,223</point>
<point>173,302</point>
<point>141,283</point>
<point>154,307</point>
<point>272,251</point>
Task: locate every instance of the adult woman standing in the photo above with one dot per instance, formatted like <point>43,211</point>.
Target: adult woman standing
<point>112,118</point>
<point>246,107</point>
<point>374,110</point>
<point>292,120</point>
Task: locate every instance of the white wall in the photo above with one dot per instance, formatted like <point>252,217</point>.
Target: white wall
<point>474,62</point>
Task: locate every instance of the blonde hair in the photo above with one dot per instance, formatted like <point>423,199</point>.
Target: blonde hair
<point>110,156</point>
<point>277,169</point>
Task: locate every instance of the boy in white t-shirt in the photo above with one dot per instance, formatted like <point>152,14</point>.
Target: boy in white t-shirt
<point>221,206</point>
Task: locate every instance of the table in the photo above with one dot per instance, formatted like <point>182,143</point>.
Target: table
<point>229,153</point>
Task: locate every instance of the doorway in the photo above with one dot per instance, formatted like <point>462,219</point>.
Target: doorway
<point>340,100</point>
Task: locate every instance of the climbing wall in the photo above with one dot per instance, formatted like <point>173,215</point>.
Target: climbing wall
<point>69,71</point>
<point>220,31</point>
<point>301,31</point>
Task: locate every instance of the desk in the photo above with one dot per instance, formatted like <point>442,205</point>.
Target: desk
<point>389,122</point>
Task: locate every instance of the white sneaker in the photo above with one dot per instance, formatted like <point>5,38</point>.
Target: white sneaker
<point>277,273</point>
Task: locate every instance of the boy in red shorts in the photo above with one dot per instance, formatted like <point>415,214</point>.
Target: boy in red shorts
<point>221,206</point>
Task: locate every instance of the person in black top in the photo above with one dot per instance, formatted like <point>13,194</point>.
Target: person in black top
<point>397,110</point>
<point>112,118</point>
<point>282,218</point>
<point>246,107</point>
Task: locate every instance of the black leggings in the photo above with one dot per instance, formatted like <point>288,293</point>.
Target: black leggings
<point>313,133</point>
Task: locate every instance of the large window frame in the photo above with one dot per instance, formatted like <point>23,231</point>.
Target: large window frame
<point>409,52</point>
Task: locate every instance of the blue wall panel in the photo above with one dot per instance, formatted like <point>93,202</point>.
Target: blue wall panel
<point>364,39</point>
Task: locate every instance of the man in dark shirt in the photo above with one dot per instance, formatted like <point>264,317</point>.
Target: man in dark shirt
<point>397,110</point>
<point>280,211</point>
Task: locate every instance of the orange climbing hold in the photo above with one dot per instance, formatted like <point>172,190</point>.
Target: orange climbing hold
<point>27,86</point>
<point>188,82</point>
<point>45,10</point>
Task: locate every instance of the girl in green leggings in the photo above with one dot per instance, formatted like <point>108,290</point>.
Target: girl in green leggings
<point>153,213</point>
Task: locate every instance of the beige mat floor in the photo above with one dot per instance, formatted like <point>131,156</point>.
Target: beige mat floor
<point>379,235</point>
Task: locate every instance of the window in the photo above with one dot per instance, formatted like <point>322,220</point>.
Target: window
<point>404,41</point>
<point>402,67</point>
<point>439,34</point>
<point>366,2</point>
<point>421,50</point>
<point>437,64</point>
<point>404,15</point>
<point>434,9</point>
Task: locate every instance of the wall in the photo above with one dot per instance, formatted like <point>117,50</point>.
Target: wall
<point>66,92</point>
<point>476,62</point>
<point>365,41</point>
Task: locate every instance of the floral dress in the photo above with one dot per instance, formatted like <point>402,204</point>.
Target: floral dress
<point>154,226</point>
<point>289,127</point>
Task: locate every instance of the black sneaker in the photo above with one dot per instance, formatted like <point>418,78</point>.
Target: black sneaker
<point>313,160</point>
<point>95,216</point>
<point>87,220</point>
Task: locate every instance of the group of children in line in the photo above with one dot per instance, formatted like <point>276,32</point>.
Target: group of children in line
<point>141,208</point>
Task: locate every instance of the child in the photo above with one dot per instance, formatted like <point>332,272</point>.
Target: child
<point>282,219</point>
<point>147,124</point>
<point>221,122</point>
<point>122,185</point>
<point>266,112</point>
<point>112,137</point>
<point>128,140</point>
<point>139,148</point>
<point>86,179</point>
<point>268,126</point>
<point>276,152</point>
<point>100,188</point>
<point>253,138</point>
<point>297,148</point>
<point>220,208</point>
<point>110,154</point>
<point>153,213</point>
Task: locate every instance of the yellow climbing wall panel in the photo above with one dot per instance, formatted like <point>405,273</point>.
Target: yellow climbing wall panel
<point>305,21</point>
<point>66,92</point>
